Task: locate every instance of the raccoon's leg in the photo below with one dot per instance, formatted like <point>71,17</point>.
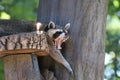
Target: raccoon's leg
<point>57,56</point>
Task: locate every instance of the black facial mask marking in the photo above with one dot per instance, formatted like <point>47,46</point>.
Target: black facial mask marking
<point>46,28</point>
<point>57,34</point>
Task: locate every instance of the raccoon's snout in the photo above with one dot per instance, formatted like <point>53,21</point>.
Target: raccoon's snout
<point>66,34</point>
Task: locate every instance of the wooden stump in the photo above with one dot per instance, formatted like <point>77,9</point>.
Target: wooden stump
<point>21,67</point>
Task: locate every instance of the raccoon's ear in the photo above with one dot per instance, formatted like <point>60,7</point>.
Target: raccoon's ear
<point>67,26</point>
<point>38,26</point>
<point>51,24</point>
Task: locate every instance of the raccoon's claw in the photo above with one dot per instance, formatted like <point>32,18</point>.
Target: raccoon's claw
<point>70,70</point>
<point>71,73</point>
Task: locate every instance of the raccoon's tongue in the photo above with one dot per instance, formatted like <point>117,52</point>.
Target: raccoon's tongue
<point>58,43</point>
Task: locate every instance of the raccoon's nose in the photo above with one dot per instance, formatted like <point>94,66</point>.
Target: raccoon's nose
<point>65,33</point>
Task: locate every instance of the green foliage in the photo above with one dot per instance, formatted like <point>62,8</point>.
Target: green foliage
<point>1,71</point>
<point>112,60</point>
<point>114,8</point>
<point>20,9</point>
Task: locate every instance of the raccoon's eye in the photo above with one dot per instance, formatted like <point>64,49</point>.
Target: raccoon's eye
<point>57,34</point>
<point>65,32</point>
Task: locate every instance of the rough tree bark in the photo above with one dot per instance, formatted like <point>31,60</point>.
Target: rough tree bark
<point>85,50</point>
<point>22,66</point>
<point>24,43</point>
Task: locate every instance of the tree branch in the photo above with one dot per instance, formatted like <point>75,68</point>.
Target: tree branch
<point>24,43</point>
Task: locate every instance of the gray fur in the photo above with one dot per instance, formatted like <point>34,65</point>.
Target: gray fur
<point>56,54</point>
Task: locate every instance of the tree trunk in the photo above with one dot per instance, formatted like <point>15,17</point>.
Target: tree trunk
<point>85,49</point>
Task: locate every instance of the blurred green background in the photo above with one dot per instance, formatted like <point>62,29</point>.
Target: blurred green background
<point>27,10</point>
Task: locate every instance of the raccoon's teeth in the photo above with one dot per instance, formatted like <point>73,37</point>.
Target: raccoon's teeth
<point>59,46</point>
<point>58,43</point>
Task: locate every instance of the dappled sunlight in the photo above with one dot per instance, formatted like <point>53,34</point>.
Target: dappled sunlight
<point>109,70</point>
<point>118,73</point>
<point>113,24</point>
<point>109,57</point>
<point>116,3</point>
<point>112,55</point>
<point>4,15</point>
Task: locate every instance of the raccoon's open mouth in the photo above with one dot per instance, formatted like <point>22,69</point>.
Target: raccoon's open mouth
<point>59,41</point>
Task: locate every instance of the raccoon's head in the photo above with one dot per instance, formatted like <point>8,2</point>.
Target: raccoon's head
<point>58,35</point>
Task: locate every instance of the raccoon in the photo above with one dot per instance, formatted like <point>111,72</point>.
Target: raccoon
<point>58,36</point>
